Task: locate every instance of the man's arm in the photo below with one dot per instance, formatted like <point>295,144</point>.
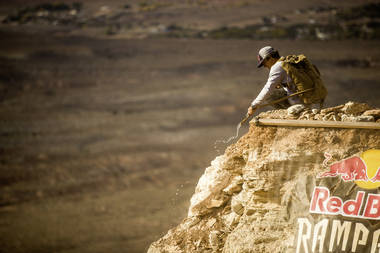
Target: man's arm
<point>276,75</point>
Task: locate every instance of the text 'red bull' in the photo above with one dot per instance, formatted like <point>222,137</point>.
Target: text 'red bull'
<point>351,169</point>
<point>323,203</point>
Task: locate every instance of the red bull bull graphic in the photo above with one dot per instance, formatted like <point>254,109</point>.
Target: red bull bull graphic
<point>349,169</point>
<point>363,169</point>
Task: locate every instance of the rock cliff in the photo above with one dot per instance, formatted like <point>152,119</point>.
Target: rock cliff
<point>258,196</point>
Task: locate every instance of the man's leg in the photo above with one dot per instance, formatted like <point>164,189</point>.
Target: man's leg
<point>277,94</point>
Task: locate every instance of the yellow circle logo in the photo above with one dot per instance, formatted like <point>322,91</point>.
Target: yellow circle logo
<point>371,159</point>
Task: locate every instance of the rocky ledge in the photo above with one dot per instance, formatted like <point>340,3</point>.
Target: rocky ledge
<point>258,196</point>
<point>349,112</point>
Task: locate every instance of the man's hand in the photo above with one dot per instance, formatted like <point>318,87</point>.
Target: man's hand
<point>251,111</point>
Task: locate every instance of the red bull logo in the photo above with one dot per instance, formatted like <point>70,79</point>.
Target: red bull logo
<point>364,169</point>
<point>323,203</point>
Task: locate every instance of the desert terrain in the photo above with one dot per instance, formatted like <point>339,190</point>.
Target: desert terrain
<point>110,109</point>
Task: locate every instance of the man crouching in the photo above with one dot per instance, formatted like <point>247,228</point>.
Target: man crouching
<point>280,84</point>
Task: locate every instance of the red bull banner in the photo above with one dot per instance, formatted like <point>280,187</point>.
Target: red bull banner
<point>344,209</point>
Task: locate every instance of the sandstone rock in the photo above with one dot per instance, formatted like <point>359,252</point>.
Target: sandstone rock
<point>300,112</point>
<point>274,114</point>
<point>347,118</point>
<point>374,113</point>
<point>235,185</point>
<point>318,117</point>
<point>211,222</point>
<point>214,240</point>
<point>365,119</point>
<point>154,249</point>
<point>355,108</point>
<point>295,109</point>
<point>208,193</point>
<point>237,206</point>
<point>331,109</point>
<point>305,115</point>
<point>231,219</point>
<point>192,221</point>
<point>250,211</point>
<point>358,118</point>
<point>207,189</point>
<point>334,117</point>
<point>214,203</point>
<point>328,116</point>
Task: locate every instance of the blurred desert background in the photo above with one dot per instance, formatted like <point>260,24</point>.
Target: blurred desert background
<point>110,109</point>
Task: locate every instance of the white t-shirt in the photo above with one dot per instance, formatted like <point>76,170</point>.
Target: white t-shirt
<point>278,78</point>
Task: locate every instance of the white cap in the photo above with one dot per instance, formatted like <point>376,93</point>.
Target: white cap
<point>263,53</point>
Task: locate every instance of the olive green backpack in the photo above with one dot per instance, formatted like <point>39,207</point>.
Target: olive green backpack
<point>305,76</point>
